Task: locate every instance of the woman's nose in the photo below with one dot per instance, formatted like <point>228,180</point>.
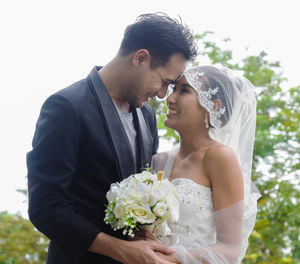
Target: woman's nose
<point>171,98</point>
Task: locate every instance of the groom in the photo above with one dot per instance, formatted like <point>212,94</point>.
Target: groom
<point>99,131</point>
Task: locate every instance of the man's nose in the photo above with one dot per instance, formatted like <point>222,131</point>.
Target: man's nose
<point>162,92</point>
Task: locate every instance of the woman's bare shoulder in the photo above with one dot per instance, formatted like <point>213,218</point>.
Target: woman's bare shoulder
<point>219,153</point>
<point>221,160</point>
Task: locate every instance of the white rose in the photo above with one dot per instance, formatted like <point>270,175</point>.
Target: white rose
<point>160,209</point>
<point>143,187</point>
<point>173,205</point>
<point>146,178</point>
<point>129,182</point>
<point>120,224</point>
<point>145,175</point>
<point>142,214</point>
<point>113,192</point>
<point>119,210</point>
<point>135,195</point>
<point>155,194</point>
<point>159,192</point>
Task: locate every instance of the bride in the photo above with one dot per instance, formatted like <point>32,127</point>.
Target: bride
<point>214,112</point>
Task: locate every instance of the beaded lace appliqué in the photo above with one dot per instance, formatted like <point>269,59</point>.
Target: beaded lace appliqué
<point>196,201</point>
<point>193,78</point>
<point>193,194</point>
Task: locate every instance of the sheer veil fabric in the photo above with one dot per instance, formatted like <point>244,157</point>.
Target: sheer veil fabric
<point>205,235</point>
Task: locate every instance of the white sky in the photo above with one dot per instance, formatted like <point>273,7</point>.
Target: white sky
<point>47,45</point>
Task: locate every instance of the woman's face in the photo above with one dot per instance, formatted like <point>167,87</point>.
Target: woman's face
<point>184,110</point>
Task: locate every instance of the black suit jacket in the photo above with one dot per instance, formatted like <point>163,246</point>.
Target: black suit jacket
<point>79,148</point>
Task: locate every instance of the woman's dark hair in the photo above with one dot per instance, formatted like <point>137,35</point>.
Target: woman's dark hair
<point>161,35</point>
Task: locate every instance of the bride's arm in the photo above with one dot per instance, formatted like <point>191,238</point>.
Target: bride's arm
<point>225,175</point>
<point>228,194</point>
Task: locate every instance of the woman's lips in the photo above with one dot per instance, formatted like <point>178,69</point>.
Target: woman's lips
<point>172,113</point>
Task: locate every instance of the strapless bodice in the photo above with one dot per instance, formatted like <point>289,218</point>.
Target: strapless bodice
<point>195,213</point>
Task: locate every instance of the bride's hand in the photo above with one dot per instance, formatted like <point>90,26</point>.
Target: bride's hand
<point>170,258</point>
<point>141,235</point>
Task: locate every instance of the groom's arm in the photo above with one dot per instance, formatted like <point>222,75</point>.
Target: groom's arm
<point>51,166</point>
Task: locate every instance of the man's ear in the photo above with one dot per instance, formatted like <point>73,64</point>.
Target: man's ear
<point>140,57</point>
<point>217,104</point>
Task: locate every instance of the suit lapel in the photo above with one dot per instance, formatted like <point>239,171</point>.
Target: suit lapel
<point>115,128</point>
<point>140,153</point>
<point>146,133</point>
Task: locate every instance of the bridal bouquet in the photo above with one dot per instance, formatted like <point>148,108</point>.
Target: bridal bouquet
<point>144,200</point>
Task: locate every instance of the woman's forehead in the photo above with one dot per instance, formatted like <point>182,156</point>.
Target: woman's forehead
<point>182,80</point>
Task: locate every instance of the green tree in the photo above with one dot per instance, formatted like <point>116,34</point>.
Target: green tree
<point>276,235</point>
<point>20,242</point>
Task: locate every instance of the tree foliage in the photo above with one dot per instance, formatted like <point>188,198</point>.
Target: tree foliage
<point>20,242</point>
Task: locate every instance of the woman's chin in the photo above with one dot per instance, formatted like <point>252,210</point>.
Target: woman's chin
<point>169,123</point>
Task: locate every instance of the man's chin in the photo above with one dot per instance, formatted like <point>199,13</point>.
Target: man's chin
<point>137,104</point>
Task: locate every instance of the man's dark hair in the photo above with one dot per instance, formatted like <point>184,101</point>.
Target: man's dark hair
<point>161,35</point>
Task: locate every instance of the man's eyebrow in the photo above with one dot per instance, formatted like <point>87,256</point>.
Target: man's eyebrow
<point>170,81</point>
<point>179,77</point>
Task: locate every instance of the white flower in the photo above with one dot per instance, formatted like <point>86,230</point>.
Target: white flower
<point>113,192</point>
<point>160,209</point>
<point>119,210</point>
<point>139,200</point>
<point>142,214</point>
<point>162,230</point>
<point>173,212</point>
<point>126,181</point>
<point>120,224</point>
<point>146,176</point>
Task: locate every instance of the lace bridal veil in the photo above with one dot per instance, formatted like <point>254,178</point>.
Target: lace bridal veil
<point>233,124</point>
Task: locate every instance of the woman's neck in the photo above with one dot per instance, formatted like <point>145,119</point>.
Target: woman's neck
<point>192,142</point>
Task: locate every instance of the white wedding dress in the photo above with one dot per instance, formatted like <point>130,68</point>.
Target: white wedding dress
<point>195,213</point>
<point>194,235</point>
<point>195,205</point>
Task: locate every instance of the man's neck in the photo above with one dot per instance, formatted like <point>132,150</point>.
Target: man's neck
<point>111,75</point>
<point>123,106</point>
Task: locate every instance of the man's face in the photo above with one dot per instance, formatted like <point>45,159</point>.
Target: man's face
<point>155,82</point>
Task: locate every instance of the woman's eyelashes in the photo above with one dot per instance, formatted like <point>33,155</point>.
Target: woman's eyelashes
<point>184,89</point>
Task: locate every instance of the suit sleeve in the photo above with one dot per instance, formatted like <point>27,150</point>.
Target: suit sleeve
<point>51,167</point>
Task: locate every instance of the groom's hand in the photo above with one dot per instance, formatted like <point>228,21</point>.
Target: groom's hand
<point>144,251</point>
<point>170,258</point>
<point>130,252</point>
<point>141,235</point>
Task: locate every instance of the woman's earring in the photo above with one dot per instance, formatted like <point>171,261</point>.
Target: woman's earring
<point>206,121</point>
